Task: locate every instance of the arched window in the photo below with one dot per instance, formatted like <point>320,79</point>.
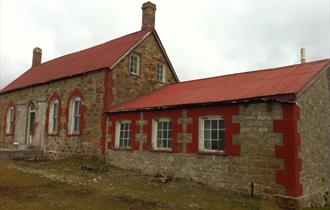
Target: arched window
<point>74,115</point>
<point>53,119</point>
<point>10,120</point>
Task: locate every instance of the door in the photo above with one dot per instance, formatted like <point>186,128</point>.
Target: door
<point>31,124</point>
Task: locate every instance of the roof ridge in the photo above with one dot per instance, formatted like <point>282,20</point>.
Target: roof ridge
<point>253,71</point>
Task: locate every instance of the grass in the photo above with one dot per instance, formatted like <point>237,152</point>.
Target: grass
<point>91,184</point>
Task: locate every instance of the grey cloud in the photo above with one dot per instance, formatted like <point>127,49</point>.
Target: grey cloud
<point>202,38</point>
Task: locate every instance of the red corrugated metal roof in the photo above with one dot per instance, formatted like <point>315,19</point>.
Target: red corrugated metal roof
<point>278,83</point>
<point>91,59</point>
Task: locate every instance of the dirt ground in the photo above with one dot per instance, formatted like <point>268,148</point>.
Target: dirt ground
<point>91,184</point>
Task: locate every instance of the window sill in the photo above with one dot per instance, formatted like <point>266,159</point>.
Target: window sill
<point>74,134</point>
<point>136,75</point>
<point>52,134</point>
<point>123,149</point>
<point>162,150</point>
<point>210,153</point>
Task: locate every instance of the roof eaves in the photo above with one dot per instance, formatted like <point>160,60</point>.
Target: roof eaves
<point>53,80</point>
<point>282,98</point>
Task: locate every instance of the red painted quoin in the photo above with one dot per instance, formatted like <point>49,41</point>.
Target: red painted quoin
<point>289,151</point>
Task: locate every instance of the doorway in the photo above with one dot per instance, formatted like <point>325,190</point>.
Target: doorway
<point>31,124</point>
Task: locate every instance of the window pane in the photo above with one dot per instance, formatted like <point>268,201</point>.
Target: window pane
<point>159,143</point>
<point>54,125</point>
<point>214,124</point>
<point>221,145</point>
<point>76,126</point>
<point>207,144</point>
<point>207,134</point>
<point>164,125</point>
<point>164,134</point>
<point>222,134</point>
<point>221,124</point>
<point>207,124</point>
<point>169,144</point>
<point>215,145</point>
<point>214,134</point>
<point>55,109</point>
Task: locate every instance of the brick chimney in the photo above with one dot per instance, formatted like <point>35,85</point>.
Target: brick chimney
<point>36,59</point>
<point>302,55</point>
<point>148,15</point>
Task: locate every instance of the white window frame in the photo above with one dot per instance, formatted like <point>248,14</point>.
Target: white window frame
<point>53,120</point>
<point>73,116</point>
<point>134,66</point>
<point>155,134</point>
<point>118,134</point>
<point>201,145</point>
<point>161,72</point>
<point>10,120</point>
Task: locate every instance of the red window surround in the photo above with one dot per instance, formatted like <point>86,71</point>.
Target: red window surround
<point>11,104</point>
<point>83,110</point>
<point>289,151</point>
<point>51,99</point>
<point>174,114</point>
<point>133,116</point>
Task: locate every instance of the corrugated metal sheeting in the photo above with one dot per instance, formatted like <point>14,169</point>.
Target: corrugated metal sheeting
<point>270,84</point>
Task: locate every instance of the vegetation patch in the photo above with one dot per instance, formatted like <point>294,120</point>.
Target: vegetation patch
<point>79,183</point>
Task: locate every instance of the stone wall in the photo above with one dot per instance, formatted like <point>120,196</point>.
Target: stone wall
<point>314,127</point>
<point>255,162</point>
<point>127,86</point>
<point>92,88</point>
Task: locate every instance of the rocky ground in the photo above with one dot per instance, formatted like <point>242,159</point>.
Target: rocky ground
<point>76,183</point>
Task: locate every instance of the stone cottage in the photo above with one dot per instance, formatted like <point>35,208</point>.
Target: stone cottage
<point>266,130</point>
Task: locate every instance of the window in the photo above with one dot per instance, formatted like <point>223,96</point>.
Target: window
<point>162,134</point>
<point>161,73</point>
<point>53,117</point>
<point>74,121</point>
<point>134,64</point>
<point>124,134</point>
<point>10,120</point>
<point>212,134</point>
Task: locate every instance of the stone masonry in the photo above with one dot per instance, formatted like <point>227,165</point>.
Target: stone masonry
<point>92,87</point>
<point>127,86</point>
<point>256,163</point>
<point>314,127</point>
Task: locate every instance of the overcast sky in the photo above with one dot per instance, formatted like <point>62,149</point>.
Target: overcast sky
<point>202,38</point>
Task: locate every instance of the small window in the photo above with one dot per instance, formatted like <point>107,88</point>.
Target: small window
<point>161,73</point>
<point>75,115</point>
<point>124,134</point>
<point>162,134</point>
<point>134,64</point>
<point>53,117</point>
<point>10,120</point>
<point>212,134</point>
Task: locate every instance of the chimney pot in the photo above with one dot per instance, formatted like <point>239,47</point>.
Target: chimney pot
<point>148,15</point>
<point>36,58</point>
<point>302,55</point>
